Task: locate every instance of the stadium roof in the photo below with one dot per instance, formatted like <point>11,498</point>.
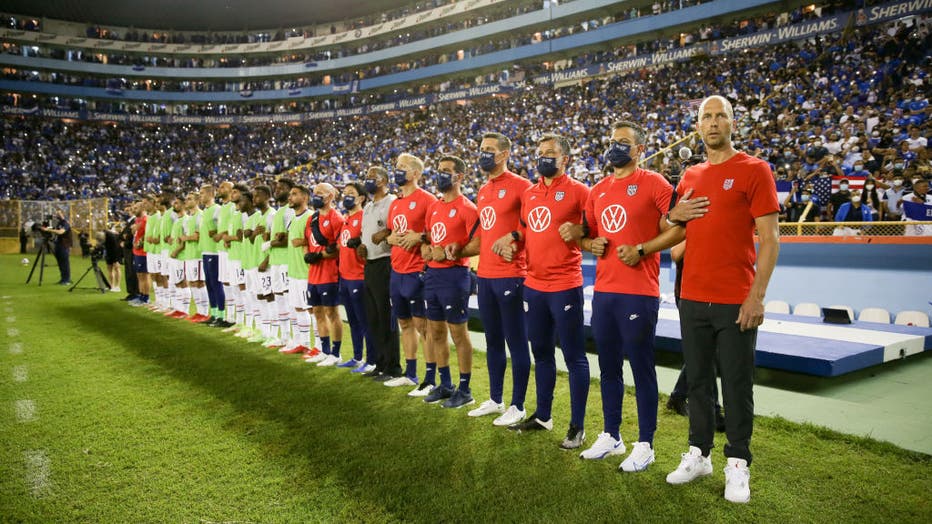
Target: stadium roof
<point>200,15</point>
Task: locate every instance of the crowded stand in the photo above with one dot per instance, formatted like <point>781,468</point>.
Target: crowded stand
<point>680,40</point>
<point>865,97</point>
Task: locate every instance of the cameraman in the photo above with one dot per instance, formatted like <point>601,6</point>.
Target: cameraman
<point>63,242</point>
<point>109,241</point>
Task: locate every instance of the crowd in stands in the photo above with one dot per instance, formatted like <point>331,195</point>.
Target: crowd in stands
<point>853,105</point>
<point>497,44</point>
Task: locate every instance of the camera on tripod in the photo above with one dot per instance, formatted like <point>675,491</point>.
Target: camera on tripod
<point>97,254</point>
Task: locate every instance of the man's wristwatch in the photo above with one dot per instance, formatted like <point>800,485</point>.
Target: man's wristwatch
<point>640,250</point>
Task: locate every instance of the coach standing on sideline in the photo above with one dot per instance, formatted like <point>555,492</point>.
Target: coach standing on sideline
<point>553,294</point>
<point>722,298</point>
<point>375,250</point>
<point>625,208</point>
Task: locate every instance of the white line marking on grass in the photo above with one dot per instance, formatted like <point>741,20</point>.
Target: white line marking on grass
<point>12,332</point>
<point>16,348</point>
<point>25,410</point>
<point>38,468</point>
<point>20,374</point>
<point>10,319</point>
<point>8,309</point>
<point>6,297</point>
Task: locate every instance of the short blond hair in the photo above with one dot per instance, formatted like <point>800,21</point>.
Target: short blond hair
<point>411,161</point>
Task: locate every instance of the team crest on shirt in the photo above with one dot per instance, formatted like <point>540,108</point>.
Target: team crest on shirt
<point>412,205</point>
<point>501,193</point>
<point>729,182</point>
<point>326,223</point>
<point>558,196</point>
<point>452,213</point>
<point>355,223</point>
<point>632,189</point>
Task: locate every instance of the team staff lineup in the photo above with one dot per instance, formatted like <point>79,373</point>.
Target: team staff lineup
<point>399,265</point>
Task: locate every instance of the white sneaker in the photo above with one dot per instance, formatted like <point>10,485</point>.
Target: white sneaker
<point>421,391</point>
<point>604,446</point>
<point>489,407</point>
<point>328,361</point>
<point>737,481</point>
<point>642,455</point>
<point>692,466</point>
<point>273,342</point>
<point>244,333</point>
<point>320,357</point>
<point>399,382</point>
<point>511,416</point>
<point>115,289</point>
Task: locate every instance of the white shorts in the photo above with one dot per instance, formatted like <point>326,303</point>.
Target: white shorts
<point>223,267</point>
<point>176,269</point>
<point>152,262</point>
<point>165,264</point>
<point>252,281</point>
<point>297,293</point>
<point>265,282</point>
<point>193,270</point>
<point>279,278</point>
<point>237,275</point>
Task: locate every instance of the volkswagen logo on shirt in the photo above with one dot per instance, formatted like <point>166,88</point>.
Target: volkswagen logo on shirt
<point>438,232</point>
<point>487,218</point>
<point>539,219</point>
<point>614,218</point>
<point>400,224</point>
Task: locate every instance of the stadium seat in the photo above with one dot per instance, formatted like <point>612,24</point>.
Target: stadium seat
<point>912,318</point>
<point>807,309</point>
<point>874,314</point>
<point>777,306</point>
<point>846,308</point>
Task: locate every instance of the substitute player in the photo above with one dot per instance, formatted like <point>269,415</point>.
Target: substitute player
<point>322,234</point>
<point>450,222</point>
<point>626,208</point>
<point>406,221</point>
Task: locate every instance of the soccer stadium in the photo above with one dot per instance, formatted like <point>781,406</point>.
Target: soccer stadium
<point>426,261</point>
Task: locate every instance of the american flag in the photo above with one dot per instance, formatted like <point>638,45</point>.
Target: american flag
<point>823,188</point>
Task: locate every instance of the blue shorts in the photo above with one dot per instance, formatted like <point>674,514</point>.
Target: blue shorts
<point>446,291</point>
<point>327,295</point>
<point>406,291</point>
<point>139,264</point>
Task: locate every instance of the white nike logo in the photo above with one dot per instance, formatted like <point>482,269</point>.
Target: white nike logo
<point>507,293</point>
<point>634,316</point>
<point>567,307</point>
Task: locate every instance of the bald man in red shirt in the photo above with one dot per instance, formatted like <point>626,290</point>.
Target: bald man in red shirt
<point>721,203</point>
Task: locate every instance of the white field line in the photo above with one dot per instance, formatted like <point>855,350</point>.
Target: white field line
<point>12,332</point>
<point>25,410</point>
<point>20,374</point>
<point>16,348</point>
<point>38,470</point>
